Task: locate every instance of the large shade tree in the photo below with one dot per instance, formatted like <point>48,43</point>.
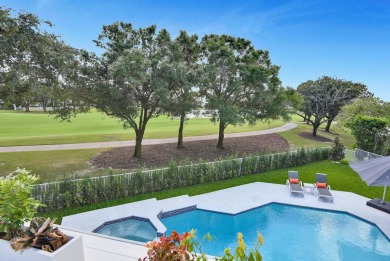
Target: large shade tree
<point>239,83</point>
<point>350,91</point>
<point>18,44</point>
<point>183,78</point>
<point>305,110</point>
<point>324,98</point>
<point>131,84</point>
<point>32,60</point>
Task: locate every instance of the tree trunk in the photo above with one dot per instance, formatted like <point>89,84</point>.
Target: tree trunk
<point>315,128</point>
<point>221,135</point>
<point>139,134</point>
<point>180,138</point>
<point>329,122</point>
<point>27,104</point>
<point>44,106</point>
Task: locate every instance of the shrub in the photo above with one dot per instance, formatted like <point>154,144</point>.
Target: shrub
<point>16,204</point>
<point>72,193</point>
<point>337,151</point>
<point>186,247</point>
<point>371,133</point>
<point>344,161</point>
<point>17,207</point>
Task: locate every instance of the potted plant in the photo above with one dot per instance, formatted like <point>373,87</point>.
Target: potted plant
<point>40,241</point>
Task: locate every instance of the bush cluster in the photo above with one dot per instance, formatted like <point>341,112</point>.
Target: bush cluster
<point>73,193</point>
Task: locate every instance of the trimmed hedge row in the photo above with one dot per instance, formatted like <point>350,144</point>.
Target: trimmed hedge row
<point>72,193</point>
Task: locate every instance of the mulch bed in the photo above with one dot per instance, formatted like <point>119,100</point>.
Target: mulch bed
<point>308,135</point>
<point>155,156</point>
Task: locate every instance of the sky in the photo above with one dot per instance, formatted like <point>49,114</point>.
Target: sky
<point>347,39</point>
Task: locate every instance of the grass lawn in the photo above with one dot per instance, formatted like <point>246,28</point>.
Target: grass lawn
<point>340,177</point>
<point>296,141</point>
<point>37,128</point>
<point>50,165</point>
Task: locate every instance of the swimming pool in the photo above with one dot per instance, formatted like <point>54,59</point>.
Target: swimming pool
<point>132,229</point>
<point>290,233</point>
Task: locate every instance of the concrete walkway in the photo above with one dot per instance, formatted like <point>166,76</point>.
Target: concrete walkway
<point>112,144</point>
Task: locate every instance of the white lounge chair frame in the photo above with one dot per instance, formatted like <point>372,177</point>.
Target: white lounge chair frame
<point>323,192</point>
<point>294,189</point>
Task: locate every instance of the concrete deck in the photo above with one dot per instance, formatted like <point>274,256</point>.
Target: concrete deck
<point>232,200</point>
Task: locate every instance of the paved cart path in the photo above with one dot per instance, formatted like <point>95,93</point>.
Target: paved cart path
<point>112,144</point>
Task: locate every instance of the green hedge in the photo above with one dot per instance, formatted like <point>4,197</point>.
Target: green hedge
<point>73,193</point>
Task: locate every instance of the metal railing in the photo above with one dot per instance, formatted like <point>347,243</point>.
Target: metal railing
<point>362,155</point>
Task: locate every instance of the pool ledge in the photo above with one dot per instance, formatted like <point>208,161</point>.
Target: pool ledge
<point>232,201</point>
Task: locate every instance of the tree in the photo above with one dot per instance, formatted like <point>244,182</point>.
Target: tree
<point>32,60</point>
<point>18,49</point>
<point>337,152</point>
<point>371,133</point>
<point>324,98</point>
<point>131,84</point>
<point>304,89</point>
<point>182,78</point>
<point>370,106</point>
<point>349,91</point>
<point>239,83</point>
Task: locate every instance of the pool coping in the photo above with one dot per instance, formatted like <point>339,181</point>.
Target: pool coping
<point>230,201</point>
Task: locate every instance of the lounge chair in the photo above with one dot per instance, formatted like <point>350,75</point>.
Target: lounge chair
<point>322,188</point>
<point>293,183</point>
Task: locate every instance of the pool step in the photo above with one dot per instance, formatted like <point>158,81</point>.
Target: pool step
<point>88,221</point>
<point>151,209</point>
<point>180,202</point>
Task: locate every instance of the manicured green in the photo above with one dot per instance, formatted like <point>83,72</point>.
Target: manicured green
<point>340,177</point>
<point>34,128</point>
<point>296,141</point>
<point>50,165</point>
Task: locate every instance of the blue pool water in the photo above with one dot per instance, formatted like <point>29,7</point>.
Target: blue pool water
<point>290,233</point>
<point>131,229</point>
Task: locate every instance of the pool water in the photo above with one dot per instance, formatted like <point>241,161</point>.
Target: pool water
<point>290,233</point>
<point>131,229</point>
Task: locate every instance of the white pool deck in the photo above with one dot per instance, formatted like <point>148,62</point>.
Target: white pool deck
<point>231,200</point>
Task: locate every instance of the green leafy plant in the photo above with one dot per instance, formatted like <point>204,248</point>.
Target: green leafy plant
<point>185,247</point>
<point>371,133</point>
<point>344,161</point>
<point>41,234</point>
<point>73,193</point>
<point>337,151</point>
<point>16,204</point>
<point>175,247</point>
<point>241,252</point>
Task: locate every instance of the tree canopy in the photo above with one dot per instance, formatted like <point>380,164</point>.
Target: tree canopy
<point>324,98</point>
<point>370,106</point>
<point>239,83</point>
<point>371,134</point>
<point>183,79</point>
<point>32,60</point>
<point>135,66</point>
